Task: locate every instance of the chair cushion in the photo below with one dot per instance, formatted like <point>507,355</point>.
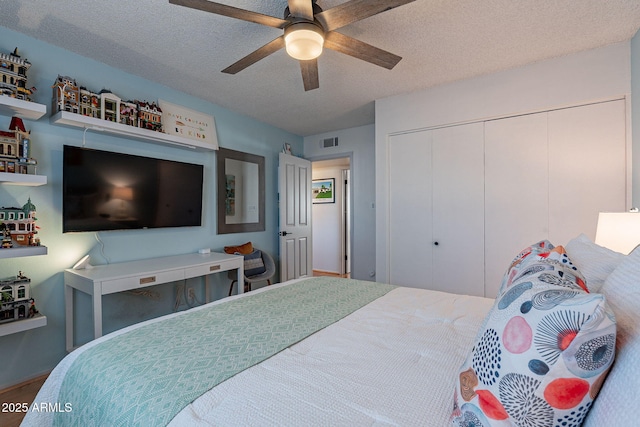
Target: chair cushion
<point>244,249</point>
<point>253,264</point>
<point>544,350</point>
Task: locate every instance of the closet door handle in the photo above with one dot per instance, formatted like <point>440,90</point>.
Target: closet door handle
<point>436,243</point>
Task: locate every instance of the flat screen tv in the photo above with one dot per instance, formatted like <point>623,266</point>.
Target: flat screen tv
<point>102,190</point>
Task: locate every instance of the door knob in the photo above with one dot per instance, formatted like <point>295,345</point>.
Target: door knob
<point>436,243</point>
<point>284,233</point>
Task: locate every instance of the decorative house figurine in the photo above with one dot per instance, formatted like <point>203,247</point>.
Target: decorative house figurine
<point>89,103</point>
<point>129,113</point>
<point>68,96</point>
<point>21,224</point>
<point>13,76</point>
<point>15,299</point>
<point>109,106</point>
<point>7,241</point>
<point>15,148</point>
<point>149,116</point>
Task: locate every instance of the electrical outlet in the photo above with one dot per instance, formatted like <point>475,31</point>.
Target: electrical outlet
<point>191,294</point>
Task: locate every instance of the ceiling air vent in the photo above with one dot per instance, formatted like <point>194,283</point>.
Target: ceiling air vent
<point>329,142</point>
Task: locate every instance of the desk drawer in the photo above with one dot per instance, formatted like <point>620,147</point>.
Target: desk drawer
<point>211,268</point>
<point>135,282</point>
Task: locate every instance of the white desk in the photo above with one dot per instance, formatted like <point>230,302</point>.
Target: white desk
<point>125,276</point>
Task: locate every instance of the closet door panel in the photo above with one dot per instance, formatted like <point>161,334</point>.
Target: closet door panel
<point>458,209</point>
<point>516,191</point>
<point>410,207</point>
<point>587,167</point>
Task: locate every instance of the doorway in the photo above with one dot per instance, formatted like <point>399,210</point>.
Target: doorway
<point>331,221</point>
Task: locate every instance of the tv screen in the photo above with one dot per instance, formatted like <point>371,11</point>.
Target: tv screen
<point>102,190</point>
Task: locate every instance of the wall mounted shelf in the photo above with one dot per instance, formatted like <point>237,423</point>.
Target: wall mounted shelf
<point>22,179</point>
<point>90,123</point>
<point>30,111</point>
<point>21,251</point>
<point>23,325</point>
<point>23,109</point>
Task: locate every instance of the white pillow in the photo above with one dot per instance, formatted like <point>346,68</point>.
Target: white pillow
<point>618,402</point>
<point>595,262</point>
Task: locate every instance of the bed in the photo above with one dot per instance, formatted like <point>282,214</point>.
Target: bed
<point>327,351</point>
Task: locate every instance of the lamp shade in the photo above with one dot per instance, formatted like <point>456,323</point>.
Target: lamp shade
<point>618,231</point>
<point>304,41</point>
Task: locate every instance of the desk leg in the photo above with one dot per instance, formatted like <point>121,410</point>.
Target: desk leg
<point>97,313</point>
<point>68,308</point>
<point>207,289</point>
<point>241,277</point>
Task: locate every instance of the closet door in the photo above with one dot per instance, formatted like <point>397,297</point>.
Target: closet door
<point>410,206</point>
<point>516,191</point>
<point>587,168</point>
<point>458,209</point>
<point>436,224</point>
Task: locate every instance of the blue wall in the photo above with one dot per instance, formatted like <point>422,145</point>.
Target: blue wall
<point>29,354</point>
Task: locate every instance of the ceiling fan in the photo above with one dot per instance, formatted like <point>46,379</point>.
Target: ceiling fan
<point>307,29</point>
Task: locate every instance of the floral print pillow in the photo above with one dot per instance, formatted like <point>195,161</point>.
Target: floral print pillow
<point>544,350</point>
<point>527,262</point>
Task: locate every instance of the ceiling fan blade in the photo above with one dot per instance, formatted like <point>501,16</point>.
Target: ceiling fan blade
<point>355,10</point>
<point>301,9</point>
<point>361,50</point>
<point>255,56</point>
<point>232,12</point>
<point>310,74</point>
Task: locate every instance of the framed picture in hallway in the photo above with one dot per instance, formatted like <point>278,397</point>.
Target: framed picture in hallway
<point>323,190</point>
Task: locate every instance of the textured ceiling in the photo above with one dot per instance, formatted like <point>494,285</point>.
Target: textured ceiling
<point>440,41</point>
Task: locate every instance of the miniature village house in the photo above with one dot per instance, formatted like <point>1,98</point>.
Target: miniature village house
<point>15,298</point>
<point>150,116</point>
<point>68,96</point>
<point>128,113</point>
<point>20,224</point>
<point>13,76</point>
<point>89,103</point>
<point>15,148</point>
<point>109,106</point>
<point>15,288</point>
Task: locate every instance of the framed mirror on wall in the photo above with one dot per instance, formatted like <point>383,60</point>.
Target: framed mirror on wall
<point>241,195</point>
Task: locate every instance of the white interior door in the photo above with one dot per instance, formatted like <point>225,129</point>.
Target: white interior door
<point>294,186</point>
<point>516,191</point>
<point>436,209</point>
<point>410,207</point>
<point>587,168</point>
<point>458,209</point>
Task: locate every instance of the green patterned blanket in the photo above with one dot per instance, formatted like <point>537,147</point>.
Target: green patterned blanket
<point>146,376</point>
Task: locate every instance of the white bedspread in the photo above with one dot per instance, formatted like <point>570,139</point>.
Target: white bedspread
<point>393,362</point>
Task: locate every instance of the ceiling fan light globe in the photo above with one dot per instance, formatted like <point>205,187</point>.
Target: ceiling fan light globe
<point>303,41</point>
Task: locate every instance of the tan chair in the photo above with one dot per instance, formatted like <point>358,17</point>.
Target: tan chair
<point>270,271</point>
